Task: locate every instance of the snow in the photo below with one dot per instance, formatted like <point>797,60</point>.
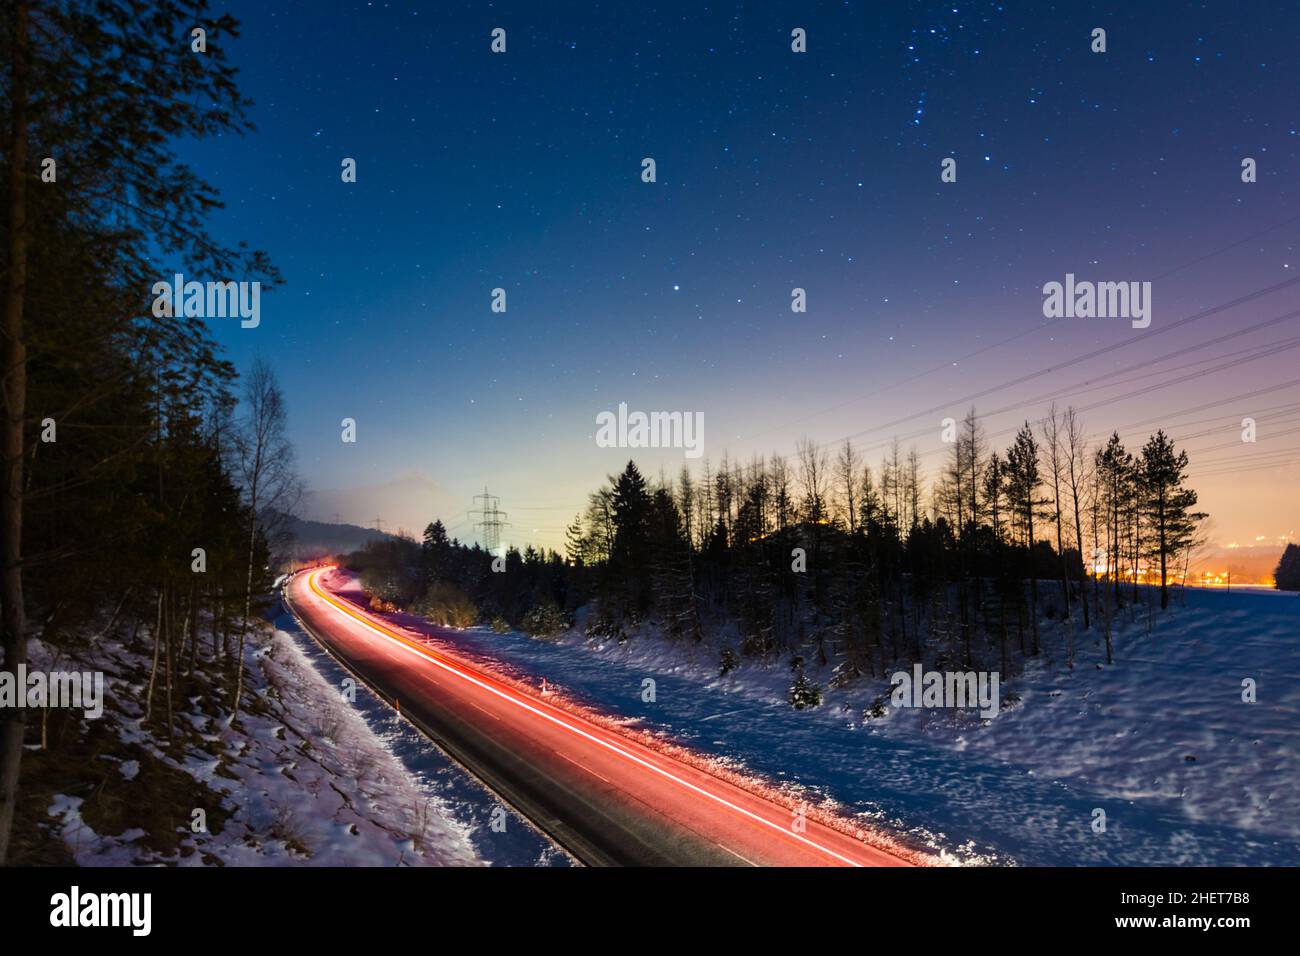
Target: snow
<point>1021,788</point>
<point>312,779</point>
<point>461,796</point>
<point>325,788</point>
<point>316,779</point>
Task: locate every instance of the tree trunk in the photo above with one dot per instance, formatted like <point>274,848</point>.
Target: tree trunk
<point>1060,551</point>
<point>1033,580</point>
<point>153,671</point>
<point>248,602</point>
<point>1137,550</point>
<point>1078,535</point>
<point>14,368</point>
<point>195,602</point>
<point>1164,567</point>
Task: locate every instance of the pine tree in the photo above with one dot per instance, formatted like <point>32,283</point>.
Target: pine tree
<point>1287,575</point>
<point>1023,480</point>
<point>630,552</point>
<point>1167,504</point>
<point>672,573</point>
<point>435,554</point>
<point>1114,469</point>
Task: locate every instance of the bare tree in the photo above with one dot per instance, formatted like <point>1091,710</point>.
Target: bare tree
<point>953,486</point>
<point>704,505</point>
<point>972,437</point>
<point>1053,437</point>
<point>913,486</point>
<point>869,498</point>
<point>1097,495</point>
<point>846,473</point>
<point>887,491</point>
<point>812,476</point>
<point>264,462</point>
<point>1077,472</point>
<point>758,493</point>
<point>781,492</point>
<point>686,503</point>
<point>896,485</point>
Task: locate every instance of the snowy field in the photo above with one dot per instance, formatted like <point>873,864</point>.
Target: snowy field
<point>1161,741</point>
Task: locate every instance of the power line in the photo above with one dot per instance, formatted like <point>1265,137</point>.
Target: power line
<point>1146,389</point>
<point>1019,335</point>
<point>1195,317</point>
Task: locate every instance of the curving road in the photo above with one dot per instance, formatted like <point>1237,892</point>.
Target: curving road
<point>603,796</point>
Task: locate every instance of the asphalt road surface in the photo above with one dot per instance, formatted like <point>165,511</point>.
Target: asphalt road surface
<point>605,797</point>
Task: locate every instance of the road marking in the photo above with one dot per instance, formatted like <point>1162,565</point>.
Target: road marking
<point>485,713</point>
<point>737,855</point>
<point>564,756</point>
<point>482,711</point>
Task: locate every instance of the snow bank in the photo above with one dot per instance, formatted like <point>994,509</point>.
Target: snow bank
<point>300,779</point>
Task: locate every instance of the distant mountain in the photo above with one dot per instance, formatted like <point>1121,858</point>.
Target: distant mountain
<point>318,539</point>
<point>407,502</point>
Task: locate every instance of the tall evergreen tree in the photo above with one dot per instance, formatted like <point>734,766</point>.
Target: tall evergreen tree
<point>1286,577</point>
<point>1023,480</point>
<point>629,556</point>
<point>1167,504</point>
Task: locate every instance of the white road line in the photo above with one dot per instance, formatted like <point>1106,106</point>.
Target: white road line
<point>486,713</point>
<point>564,756</point>
<point>737,855</point>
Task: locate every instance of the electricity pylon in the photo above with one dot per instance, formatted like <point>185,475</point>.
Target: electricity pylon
<point>491,520</point>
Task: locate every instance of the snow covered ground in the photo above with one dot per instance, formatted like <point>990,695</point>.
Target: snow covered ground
<point>460,796</point>
<point>1161,741</point>
<point>308,779</point>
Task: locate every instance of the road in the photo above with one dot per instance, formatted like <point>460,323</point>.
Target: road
<point>604,796</point>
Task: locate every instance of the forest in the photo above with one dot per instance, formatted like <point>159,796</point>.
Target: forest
<point>140,497</point>
<point>1000,556</point>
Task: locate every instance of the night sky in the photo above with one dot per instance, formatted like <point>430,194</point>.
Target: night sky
<point>775,170</point>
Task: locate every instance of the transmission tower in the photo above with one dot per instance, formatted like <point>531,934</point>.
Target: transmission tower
<point>491,519</point>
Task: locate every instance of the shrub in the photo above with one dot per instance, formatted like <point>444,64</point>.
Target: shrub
<point>804,693</point>
<point>543,620</point>
<point>447,605</point>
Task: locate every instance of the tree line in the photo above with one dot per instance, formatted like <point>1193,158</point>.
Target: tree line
<point>825,557</point>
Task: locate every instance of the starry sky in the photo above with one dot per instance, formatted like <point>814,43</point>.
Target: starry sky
<point>775,170</point>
